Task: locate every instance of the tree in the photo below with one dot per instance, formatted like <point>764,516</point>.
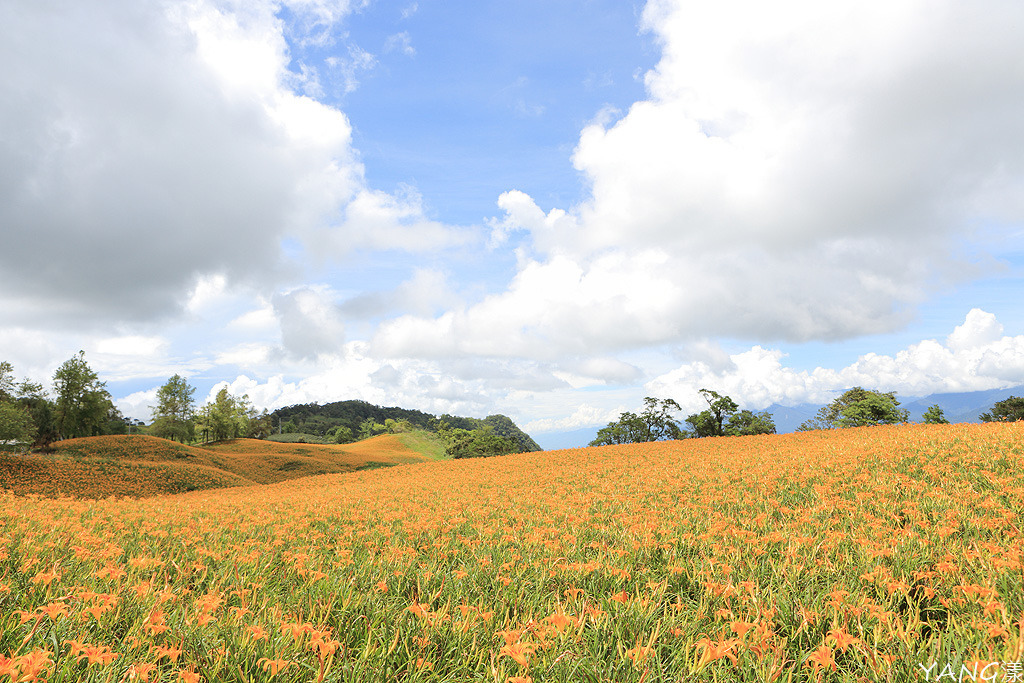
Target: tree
<point>15,419</point>
<point>15,423</point>
<point>934,416</point>
<point>858,407</point>
<point>655,423</point>
<point>173,416</point>
<point>6,381</point>
<point>711,422</point>
<point>261,426</point>
<point>370,427</point>
<point>481,442</point>
<point>746,423</point>
<point>82,405</point>
<point>1007,410</point>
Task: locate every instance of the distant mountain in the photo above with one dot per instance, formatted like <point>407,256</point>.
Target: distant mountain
<point>964,406</point>
<point>788,418</point>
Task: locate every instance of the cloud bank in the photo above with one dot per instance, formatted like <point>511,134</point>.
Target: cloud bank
<point>152,145</point>
<point>799,171</point>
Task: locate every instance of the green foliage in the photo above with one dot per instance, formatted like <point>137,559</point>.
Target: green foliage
<point>343,434</point>
<point>83,407</point>
<point>15,420</point>
<point>173,416</point>
<point>746,422</point>
<point>476,443</point>
<point>324,420</point>
<point>711,422</point>
<point>858,407</point>
<point>15,423</point>
<point>1008,410</point>
<point>655,423</point>
<point>934,416</point>
<point>723,417</point>
<point>370,427</point>
<point>230,417</point>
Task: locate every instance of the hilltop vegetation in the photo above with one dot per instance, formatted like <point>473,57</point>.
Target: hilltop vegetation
<point>346,420</point>
<point>840,555</point>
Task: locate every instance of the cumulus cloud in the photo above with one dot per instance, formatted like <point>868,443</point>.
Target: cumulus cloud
<point>153,150</point>
<point>976,356</point>
<point>799,171</point>
<point>584,416</point>
<point>311,322</point>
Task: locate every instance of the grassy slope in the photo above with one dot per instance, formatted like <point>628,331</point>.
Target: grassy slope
<point>140,465</point>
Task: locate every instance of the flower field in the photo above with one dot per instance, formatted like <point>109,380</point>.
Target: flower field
<point>104,466</point>
<point>851,555</point>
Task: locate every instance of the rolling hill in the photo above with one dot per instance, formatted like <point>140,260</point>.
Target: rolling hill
<point>139,465</point>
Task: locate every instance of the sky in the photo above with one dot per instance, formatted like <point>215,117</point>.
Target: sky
<point>547,210</point>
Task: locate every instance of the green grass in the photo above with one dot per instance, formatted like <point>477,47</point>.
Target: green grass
<point>425,443</point>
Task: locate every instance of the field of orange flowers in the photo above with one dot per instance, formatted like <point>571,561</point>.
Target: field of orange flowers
<point>139,465</point>
<point>872,554</point>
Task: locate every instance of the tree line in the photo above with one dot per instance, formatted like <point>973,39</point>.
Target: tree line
<point>176,417</point>
<point>856,407</point>
<point>80,406</point>
<point>657,422</point>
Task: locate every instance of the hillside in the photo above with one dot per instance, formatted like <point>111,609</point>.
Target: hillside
<point>139,465</point>
<point>846,555</point>
<point>320,420</point>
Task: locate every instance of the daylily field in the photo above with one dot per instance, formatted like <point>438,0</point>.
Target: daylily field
<point>871,554</point>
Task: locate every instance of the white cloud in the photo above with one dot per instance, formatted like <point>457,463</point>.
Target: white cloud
<point>311,322</point>
<point>400,42</point>
<point>160,154</point>
<point>131,345</point>
<point>799,171</point>
<point>975,357</point>
<point>584,416</point>
<point>138,405</point>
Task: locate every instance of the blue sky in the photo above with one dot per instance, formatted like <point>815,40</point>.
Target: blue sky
<point>546,210</point>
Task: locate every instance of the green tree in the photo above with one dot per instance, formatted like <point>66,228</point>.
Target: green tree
<point>655,423</point>
<point>82,405</point>
<point>475,443</point>
<point>934,416</point>
<point>15,419</point>
<point>173,416</point>
<point>858,407</point>
<point>712,422</point>
<point>1007,410</point>
<point>261,426</point>
<point>15,423</point>
<point>343,435</point>
<point>746,423</point>
<point>370,427</point>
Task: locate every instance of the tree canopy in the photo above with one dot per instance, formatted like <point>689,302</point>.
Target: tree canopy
<point>858,407</point>
<point>1007,410</point>
<point>83,407</point>
<point>173,414</point>
<point>934,416</point>
<point>655,423</point>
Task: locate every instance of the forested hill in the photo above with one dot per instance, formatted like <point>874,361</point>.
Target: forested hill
<point>325,420</point>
